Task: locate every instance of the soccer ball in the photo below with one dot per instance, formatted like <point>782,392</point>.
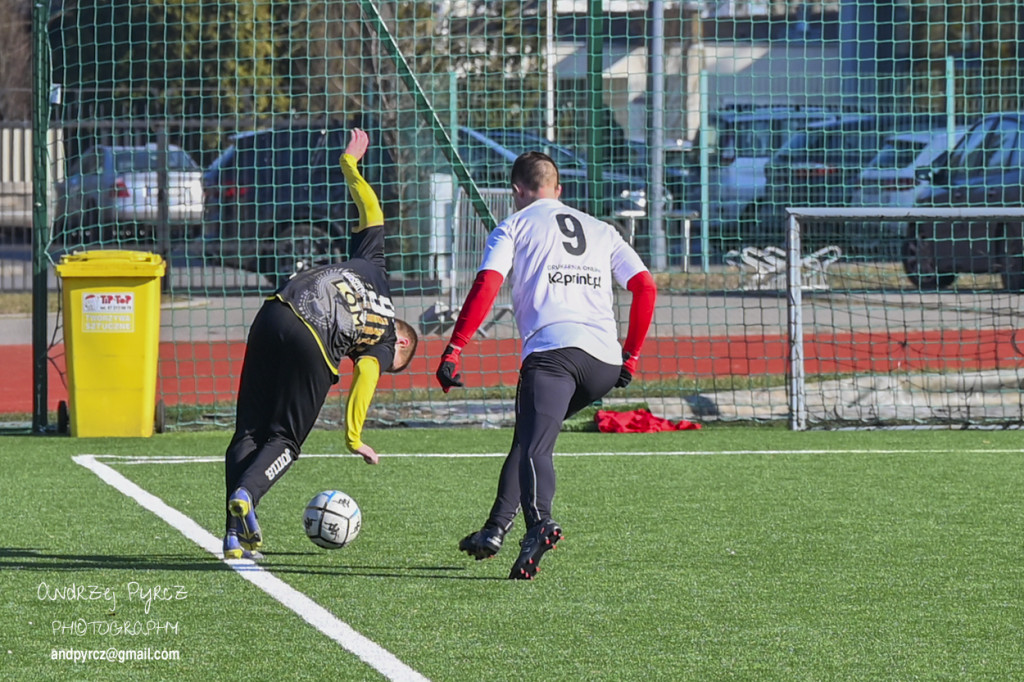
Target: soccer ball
<point>332,519</point>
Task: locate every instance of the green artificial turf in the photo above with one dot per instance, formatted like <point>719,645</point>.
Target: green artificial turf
<point>746,554</point>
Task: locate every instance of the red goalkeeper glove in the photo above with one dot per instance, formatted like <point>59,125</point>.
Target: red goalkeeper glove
<point>448,374</point>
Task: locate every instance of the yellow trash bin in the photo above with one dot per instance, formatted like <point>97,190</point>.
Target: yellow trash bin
<point>111,340</point>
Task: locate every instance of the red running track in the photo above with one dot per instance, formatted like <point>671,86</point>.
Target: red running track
<point>207,372</point>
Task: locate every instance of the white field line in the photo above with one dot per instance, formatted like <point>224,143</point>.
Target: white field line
<point>184,459</point>
<point>323,620</point>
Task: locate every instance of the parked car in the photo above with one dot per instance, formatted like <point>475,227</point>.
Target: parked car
<point>276,199</point>
<point>679,171</point>
<point>114,192</point>
<point>892,180</point>
<point>892,177</point>
<point>986,169</point>
<point>742,141</point>
<point>819,166</point>
<point>489,154</point>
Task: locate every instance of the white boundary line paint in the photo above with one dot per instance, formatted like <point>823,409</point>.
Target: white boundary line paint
<point>323,620</point>
<point>184,459</point>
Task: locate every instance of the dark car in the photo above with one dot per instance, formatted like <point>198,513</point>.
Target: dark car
<point>489,154</point>
<point>986,169</point>
<point>679,172</point>
<point>741,141</point>
<point>820,165</point>
<point>276,199</point>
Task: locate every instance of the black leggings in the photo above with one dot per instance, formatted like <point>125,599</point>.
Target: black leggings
<point>553,385</point>
<point>284,383</point>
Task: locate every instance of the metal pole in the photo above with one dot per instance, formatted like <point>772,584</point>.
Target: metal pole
<point>596,140</point>
<point>705,166</point>
<point>40,211</point>
<point>549,47</point>
<point>686,242</point>
<point>852,31</point>
<point>163,204</point>
<point>950,102</point>
<point>453,213</point>
<point>656,179</point>
<point>818,214</point>
<point>794,288</point>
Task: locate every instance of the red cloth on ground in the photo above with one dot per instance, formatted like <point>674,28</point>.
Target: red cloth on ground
<point>638,421</point>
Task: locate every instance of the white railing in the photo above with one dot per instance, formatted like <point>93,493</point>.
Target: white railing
<point>468,238</point>
<point>16,173</point>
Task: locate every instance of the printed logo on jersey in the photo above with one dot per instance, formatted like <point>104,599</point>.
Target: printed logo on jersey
<point>574,275</point>
<point>370,310</point>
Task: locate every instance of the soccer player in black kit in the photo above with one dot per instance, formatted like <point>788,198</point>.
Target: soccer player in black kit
<point>295,344</point>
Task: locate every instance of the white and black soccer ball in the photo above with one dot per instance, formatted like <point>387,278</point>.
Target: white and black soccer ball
<point>332,519</point>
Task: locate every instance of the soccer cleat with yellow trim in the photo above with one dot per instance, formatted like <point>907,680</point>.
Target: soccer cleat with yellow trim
<point>241,506</point>
<point>538,540</point>
<point>233,548</point>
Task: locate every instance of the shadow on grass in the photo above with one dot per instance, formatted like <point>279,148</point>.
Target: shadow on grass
<point>29,559</point>
<point>417,572</point>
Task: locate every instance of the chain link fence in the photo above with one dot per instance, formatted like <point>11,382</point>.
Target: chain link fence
<point>209,132</point>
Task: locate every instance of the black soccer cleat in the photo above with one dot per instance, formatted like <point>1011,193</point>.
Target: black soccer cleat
<point>538,540</point>
<point>484,543</point>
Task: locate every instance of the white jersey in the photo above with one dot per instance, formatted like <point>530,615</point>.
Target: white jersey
<point>562,262</point>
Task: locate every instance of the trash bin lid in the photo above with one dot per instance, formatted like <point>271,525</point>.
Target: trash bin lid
<point>111,263</point>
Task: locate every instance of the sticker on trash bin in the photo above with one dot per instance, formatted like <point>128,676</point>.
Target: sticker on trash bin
<point>112,313</point>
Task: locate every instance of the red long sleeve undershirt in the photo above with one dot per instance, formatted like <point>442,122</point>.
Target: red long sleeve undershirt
<point>478,304</point>
<point>641,311</point>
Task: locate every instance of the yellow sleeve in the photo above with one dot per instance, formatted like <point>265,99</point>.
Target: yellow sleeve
<point>370,213</point>
<point>365,376</point>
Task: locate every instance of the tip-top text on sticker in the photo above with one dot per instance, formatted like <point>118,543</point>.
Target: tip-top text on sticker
<point>119,302</point>
<point>108,312</point>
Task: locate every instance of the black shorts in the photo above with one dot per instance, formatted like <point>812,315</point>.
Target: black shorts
<point>566,379</point>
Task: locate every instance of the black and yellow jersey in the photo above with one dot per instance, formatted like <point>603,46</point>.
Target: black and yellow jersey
<point>348,305</point>
<point>348,308</point>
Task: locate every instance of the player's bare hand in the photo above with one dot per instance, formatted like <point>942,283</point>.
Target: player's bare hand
<point>369,455</point>
<point>358,142</point>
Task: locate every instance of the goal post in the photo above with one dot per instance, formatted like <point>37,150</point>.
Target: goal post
<point>883,354</point>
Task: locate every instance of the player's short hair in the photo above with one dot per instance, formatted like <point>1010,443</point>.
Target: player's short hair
<point>404,354</point>
<point>534,170</point>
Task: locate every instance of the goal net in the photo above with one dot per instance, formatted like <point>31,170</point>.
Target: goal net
<point>928,336</point>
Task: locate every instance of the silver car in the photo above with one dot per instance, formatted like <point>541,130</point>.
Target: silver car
<point>113,193</point>
<point>892,180</point>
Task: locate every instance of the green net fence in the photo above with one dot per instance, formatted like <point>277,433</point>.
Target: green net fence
<point>209,132</point>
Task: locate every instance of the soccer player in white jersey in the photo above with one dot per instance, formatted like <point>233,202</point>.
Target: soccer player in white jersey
<point>562,262</point>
